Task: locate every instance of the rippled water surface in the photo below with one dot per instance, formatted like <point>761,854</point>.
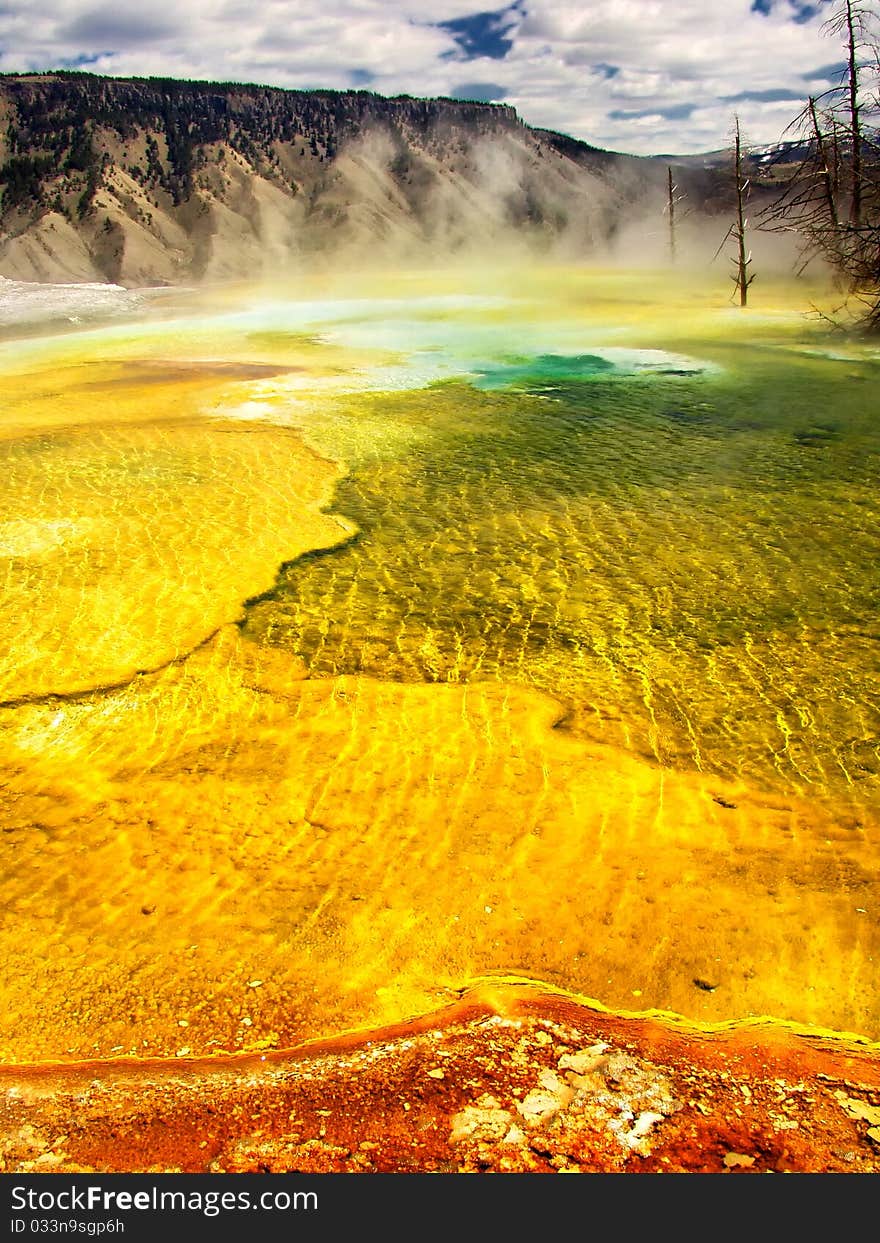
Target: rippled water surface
<point>570,669</point>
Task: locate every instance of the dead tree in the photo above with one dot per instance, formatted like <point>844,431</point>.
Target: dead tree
<point>670,211</point>
<point>742,280</point>
<point>847,20</point>
<point>830,198</point>
<point>673,198</point>
<point>742,258</point>
<point>827,176</point>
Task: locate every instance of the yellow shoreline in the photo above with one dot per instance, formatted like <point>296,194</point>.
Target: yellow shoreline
<point>506,998</point>
<point>144,530</point>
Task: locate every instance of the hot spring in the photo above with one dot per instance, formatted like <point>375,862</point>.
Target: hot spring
<point>360,643</point>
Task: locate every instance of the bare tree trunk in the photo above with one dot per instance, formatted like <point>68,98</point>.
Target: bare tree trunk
<point>824,170</point>
<point>670,207</point>
<point>742,279</point>
<point>855,214</point>
<point>835,160</point>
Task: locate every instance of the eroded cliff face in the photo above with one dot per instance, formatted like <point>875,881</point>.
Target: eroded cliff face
<point>159,181</point>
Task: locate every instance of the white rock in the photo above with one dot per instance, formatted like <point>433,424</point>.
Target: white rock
<point>585,1061</point>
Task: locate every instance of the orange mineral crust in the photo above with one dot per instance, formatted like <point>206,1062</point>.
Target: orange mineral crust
<point>508,1080</point>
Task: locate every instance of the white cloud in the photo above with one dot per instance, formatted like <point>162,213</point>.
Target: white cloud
<point>572,66</point>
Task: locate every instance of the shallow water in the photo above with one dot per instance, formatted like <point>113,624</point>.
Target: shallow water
<point>579,682</point>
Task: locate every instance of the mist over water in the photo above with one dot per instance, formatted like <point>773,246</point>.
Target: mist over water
<point>568,671</point>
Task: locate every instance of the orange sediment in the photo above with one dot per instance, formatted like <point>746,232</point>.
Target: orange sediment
<point>507,1080</point>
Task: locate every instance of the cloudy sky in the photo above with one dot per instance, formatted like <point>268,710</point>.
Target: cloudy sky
<point>646,76</point>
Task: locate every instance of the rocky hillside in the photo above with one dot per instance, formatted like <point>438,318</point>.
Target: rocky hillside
<point>161,181</point>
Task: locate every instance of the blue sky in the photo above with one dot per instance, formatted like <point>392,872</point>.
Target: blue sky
<point>647,76</point>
